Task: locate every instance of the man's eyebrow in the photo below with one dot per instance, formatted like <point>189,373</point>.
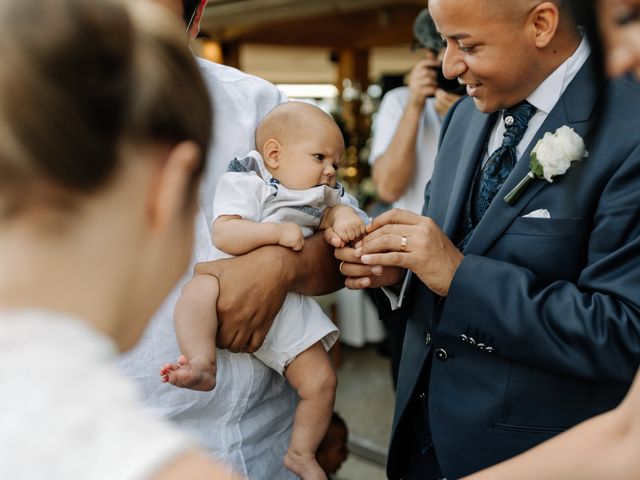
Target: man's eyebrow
<point>456,36</point>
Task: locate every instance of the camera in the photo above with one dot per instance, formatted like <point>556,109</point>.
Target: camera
<point>426,36</point>
<point>451,86</point>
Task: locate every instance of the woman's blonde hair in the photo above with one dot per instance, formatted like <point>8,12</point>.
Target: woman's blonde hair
<point>79,79</point>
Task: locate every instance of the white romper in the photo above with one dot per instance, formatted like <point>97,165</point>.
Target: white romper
<point>259,197</point>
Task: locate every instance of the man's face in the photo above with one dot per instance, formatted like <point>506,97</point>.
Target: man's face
<point>491,53</point>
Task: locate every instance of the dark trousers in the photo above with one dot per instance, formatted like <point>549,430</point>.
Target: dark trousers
<point>419,455</point>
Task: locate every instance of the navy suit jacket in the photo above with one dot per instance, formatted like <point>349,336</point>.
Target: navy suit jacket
<point>557,300</point>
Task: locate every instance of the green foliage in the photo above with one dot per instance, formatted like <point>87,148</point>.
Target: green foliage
<point>535,166</point>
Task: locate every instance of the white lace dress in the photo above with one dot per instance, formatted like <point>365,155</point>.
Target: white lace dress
<point>66,413</point>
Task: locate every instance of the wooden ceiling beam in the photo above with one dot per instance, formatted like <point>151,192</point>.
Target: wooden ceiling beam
<point>379,26</point>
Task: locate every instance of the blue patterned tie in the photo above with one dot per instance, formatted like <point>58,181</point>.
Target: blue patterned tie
<point>497,167</point>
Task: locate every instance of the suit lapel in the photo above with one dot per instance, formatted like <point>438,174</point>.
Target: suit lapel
<point>574,109</point>
<point>478,128</point>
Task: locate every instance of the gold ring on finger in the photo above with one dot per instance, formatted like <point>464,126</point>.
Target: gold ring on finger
<point>340,268</point>
<point>403,244</point>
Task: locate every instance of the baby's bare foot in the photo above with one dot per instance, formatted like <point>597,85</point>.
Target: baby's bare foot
<point>197,374</point>
<point>304,466</point>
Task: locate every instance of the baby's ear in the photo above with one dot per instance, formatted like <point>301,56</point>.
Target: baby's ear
<point>271,153</point>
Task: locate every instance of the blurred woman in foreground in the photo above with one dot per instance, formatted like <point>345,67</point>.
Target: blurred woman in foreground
<point>103,119</point>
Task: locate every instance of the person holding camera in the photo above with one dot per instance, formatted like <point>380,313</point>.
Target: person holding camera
<point>407,126</point>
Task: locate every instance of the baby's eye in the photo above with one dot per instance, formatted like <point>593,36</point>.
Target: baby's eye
<point>318,156</point>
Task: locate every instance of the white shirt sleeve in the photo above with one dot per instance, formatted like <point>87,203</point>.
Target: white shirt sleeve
<point>396,299</point>
<point>239,193</point>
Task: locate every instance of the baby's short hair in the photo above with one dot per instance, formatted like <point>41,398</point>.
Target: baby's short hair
<point>286,118</point>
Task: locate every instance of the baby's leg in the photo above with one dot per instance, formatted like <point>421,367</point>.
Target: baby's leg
<point>312,375</point>
<point>196,324</point>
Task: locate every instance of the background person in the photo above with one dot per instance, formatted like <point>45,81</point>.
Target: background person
<point>246,421</point>
<point>620,28</point>
<point>110,190</point>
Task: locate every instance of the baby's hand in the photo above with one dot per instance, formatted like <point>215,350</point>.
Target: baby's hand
<point>349,228</point>
<point>291,236</point>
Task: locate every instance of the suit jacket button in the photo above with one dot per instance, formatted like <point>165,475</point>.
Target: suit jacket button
<point>442,355</point>
<point>472,341</point>
<point>489,349</point>
<point>427,338</point>
<point>463,338</point>
<point>481,346</point>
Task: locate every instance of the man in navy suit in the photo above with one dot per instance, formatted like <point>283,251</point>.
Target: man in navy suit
<point>523,319</point>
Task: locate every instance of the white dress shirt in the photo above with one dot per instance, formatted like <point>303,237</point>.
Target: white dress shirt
<point>544,98</point>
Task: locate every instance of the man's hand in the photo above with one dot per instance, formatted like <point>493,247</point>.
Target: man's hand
<point>361,276</point>
<point>427,251</point>
<point>423,81</point>
<point>251,294</point>
<point>253,288</point>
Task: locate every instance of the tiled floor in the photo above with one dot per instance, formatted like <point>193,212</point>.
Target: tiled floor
<point>365,400</point>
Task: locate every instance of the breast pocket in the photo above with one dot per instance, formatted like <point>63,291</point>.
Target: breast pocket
<point>546,227</point>
<point>553,248</point>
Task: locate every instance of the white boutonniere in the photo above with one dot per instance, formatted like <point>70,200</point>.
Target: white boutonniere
<point>551,156</point>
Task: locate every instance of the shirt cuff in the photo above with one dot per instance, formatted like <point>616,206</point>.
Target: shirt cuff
<point>396,299</point>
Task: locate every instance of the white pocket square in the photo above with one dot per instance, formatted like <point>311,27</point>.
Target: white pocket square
<point>541,213</point>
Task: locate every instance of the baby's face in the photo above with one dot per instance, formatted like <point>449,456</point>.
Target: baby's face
<point>310,157</point>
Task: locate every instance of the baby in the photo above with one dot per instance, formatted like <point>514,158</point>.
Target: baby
<point>276,196</point>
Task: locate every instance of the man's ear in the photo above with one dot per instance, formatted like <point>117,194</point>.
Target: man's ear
<point>197,18</point>
<point>545,19</point>
<point>170,193</point>
<point>271,153</point>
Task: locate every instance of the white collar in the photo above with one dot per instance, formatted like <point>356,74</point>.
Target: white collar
<point>545,97</point>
